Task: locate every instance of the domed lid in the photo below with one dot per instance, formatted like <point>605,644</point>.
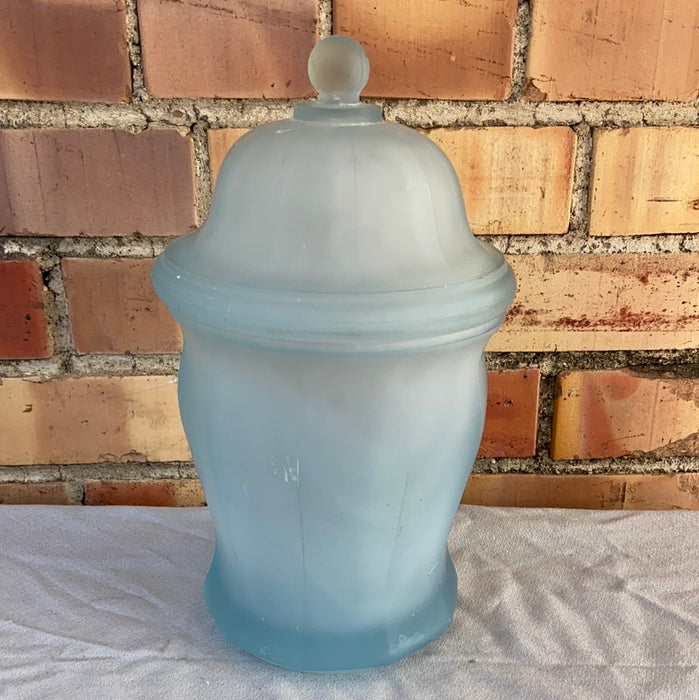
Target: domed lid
<point>336,227</point>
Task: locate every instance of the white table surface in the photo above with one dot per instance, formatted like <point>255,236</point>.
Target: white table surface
<point>106,603</point>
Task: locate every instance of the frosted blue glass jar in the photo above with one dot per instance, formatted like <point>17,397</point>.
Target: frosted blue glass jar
<point>335,307</point>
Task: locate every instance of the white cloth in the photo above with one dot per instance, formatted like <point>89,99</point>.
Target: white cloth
<point>106,603</point>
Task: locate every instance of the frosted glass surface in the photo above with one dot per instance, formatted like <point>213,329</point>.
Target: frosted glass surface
<point>333,480</point>
<point>335,306</point>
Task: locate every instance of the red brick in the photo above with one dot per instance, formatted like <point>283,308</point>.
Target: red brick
<point>514,179</point>
<point>228,48</point>
<point>158,492</point>
<point>620,413</point>
<point>98,182</point>
<point>610,50</point>
<point>598,492</point>
<point>449,49</point>
<point>113,308</point>
<point>90,419</point>
<point>602,302</point>
<point>23,333</point>
<point>511,416</point>
<point>49,493</point>
<point>57,50</point>
<point>645,180</point>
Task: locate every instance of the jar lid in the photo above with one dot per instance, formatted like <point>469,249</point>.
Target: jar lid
<point>336,228</point>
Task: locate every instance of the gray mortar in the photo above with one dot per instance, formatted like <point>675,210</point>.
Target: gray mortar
<point>579,210</point>
<point>202,171</point>
<point>194,117</point>
<point>133,40</point>
<point>124,365</point>
<point>521,45</point>
<point>421,114</point>
<point>650,465</point>
<point>325,18</point>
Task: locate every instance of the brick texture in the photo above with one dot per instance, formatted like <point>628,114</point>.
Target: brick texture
<point>618,413</point>
<point>645,180</point>
<point>49,493</point>
<point>228,48</point>
<point>57,50</point>
<point>99,182</point>
<point>609,50</point>
<point>602,302</point>
<point>449,49</point>
<point>90,419</point>
<point>113,308</point>
<point>23,332</point>
<point>514,179</point>
<point>220,142</point>
<point>159,492</point>
<point>599,492</point>
<point>511,416</point>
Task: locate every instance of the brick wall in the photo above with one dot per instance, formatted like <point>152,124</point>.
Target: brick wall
<point>574,128</point>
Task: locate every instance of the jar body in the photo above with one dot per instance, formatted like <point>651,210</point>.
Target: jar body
<point>333,479</point>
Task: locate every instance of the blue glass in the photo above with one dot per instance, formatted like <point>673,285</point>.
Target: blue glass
<point>335,307</point>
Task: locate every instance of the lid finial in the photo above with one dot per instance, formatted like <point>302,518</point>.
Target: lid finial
<point>339,69</point>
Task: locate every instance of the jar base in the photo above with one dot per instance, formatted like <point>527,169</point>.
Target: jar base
<point>301,649</point>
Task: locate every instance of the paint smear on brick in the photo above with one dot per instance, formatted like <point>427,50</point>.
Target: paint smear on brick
<point>602,302</point>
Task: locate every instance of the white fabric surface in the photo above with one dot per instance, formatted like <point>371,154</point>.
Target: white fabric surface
<point>106,603</point>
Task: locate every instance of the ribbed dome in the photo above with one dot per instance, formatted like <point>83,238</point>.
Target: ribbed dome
<point>306,206</point>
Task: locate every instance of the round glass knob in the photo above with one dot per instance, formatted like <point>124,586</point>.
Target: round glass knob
<point>339,69</point>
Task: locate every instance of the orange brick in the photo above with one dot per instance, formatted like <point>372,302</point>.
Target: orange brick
<point>159,492</point>
<point>49,493</point>
<point>602,302</point>
<point>598,492</point>
<point>609,50</point>
<point>645,180</point>
<point>57,50</point>
<point>113,308</point>
<point>220,142</point>
<point>90,419</point>
<point>511,417</point>
<point>618,413</point>
<point>23,332</point>
<point>514,179</point>
<point>99,182</point>
<point>449,49</point>
<point>228,48</point>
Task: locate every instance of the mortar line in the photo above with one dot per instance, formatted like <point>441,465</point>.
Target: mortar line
<point>549,363</point>
<point>544,425</point>
<point>133,39</point>
<point>520,45</point>
<point>139,247</point>
<point>186,471</point>
<point>118,471</point>
<point>61,327</point>
<point>325,18</point>
<point>182,112</point>
<point>582,173</point>
<point>202,170</point>
<point>603,466</point>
